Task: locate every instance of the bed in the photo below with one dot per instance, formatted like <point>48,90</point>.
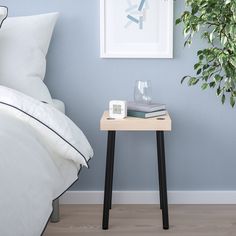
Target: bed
<point>41,149</point>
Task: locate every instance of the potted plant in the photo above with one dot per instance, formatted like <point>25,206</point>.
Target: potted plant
<point>215,20</point>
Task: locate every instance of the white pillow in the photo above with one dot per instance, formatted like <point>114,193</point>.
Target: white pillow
<point>24,43</point>
<point>3,14</point>
<point>59,105</point>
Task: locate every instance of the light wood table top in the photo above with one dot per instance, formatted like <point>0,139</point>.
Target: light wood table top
<point>161,123</point>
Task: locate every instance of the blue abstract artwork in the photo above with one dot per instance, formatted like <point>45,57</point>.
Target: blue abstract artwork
<point>136,13</point>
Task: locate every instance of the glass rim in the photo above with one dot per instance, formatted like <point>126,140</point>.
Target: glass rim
<point>138,80</point>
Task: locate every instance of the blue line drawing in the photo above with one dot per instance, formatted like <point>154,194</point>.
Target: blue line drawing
<point>133,19</point>
<point>141,5</point>
<point>141,22</point>
<point>136,10</point>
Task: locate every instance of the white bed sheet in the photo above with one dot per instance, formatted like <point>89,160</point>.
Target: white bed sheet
<point>31,176</point>
<point>35,165</point>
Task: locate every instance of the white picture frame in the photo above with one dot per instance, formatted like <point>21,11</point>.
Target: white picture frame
<point>136,28</point>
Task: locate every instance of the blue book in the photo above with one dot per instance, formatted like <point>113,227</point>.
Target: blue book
<point>145,107</point>
<point>142,114</point>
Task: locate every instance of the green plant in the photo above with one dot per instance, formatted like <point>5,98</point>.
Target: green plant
<point>216,66</point>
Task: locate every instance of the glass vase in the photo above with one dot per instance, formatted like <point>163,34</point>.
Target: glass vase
<point>143,91</point>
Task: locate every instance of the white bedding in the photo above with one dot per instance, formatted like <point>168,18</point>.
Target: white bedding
<point>36,165</point>
<point>59,105</point>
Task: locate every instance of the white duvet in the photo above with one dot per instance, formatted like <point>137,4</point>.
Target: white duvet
<point>41,152</point>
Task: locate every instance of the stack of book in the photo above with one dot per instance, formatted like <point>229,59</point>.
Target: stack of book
<point>146,110</point>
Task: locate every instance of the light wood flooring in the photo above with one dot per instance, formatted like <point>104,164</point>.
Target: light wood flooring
<point>145,220</point>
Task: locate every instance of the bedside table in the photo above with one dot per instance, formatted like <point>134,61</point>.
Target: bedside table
<point>157,124</point>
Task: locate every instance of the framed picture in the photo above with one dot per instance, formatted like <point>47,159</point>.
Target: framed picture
<point>136,28</point>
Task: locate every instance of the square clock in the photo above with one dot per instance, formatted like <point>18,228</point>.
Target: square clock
<point>117,109</point>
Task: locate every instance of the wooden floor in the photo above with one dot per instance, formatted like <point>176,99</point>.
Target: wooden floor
<point>145,220</point>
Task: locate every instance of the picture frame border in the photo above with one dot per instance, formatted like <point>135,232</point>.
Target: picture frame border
<point>106,54</point>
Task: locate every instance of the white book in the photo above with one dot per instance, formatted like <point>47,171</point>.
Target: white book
<point>145,107</point>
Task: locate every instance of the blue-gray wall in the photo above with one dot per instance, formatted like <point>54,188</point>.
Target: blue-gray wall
<point>201,148</point>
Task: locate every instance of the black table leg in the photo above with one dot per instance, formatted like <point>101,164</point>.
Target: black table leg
<point>112,166</point>
<point>159,173</point>
<point>108,178</point>
<point>162,175</point>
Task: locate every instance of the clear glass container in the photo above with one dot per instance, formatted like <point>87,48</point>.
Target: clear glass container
<point>143,91</point>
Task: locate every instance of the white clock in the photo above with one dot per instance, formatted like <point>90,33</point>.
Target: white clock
<point>117,109</point>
